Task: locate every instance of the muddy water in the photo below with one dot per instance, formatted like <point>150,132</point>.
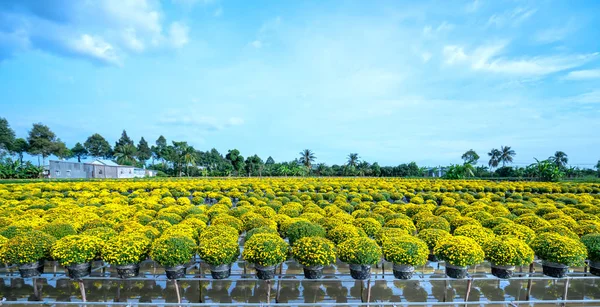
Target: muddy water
<point>291,287</point>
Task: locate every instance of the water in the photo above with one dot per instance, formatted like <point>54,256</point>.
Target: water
<point>336,287</point>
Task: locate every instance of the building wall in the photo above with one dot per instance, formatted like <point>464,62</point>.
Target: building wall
<point>125,172</point>
<point>63,169</point>
<point>104,171</point>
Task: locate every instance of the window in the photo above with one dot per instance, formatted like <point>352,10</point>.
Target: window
<point>57,172</point>
<point>68,173</point>
<point>129,171</point>
<point>100,172</point>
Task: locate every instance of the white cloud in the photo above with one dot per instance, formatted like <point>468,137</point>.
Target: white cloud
<point>429,31</point>
<point>236,121</point>
<point>512,18</point>
<point>256,44</point>
<point>587,98</point>
<point>473,6</point>
<point>426,56</point>
<point>583,74</point>
<point>95,47</point>
<point>489,58</point>
<point>131,41</point>
<point>178,34</point>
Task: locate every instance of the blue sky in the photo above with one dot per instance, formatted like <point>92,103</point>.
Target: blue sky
<point>395,81</point>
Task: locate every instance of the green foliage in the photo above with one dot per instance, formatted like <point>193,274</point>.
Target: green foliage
<point>126,249</point>
<point>459,251</point>
<point>59,230</point>
<point>301,229</point>
<point>265,249</point>
<point>508,250</point>
<point>559,249</point>
<point>433,236</point>
<point>592,243</point>
<point>311,251</point>
<point>76,249</point>
<point>97,146</point>
<point>407,250</point>
<point>27,247</point>
<point>359,250</point>
<point>172,250</point>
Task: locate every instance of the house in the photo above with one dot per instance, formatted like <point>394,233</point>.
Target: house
<point>96,169</point>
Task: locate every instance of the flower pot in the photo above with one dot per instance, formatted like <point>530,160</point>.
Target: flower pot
<point>454,271</point>
<point>220,271</point>
<point>595,268</point>
<point>403,271</point>
<point>313,272</point>
<point>265,272</point>
<point>433,258</point>
<point>175,272</point>
<point>128,270</point>
<point>554,269</point>
<point>79,270</point>
<point>503,271</point>
<point>360,271</point>
<point>31,269</point>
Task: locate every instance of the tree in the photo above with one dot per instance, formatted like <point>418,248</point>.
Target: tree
<point>98,147</point>
<point>236,160</point>
<point>470,157</point>
<point>124,140</point>
<point>7,136</point>
<point>254,164</point>
<point>41,141</point>
<point>125,154</point>
<point>79,151</point>
<point>598,168</point>
<point>494,155</point>
<point>61,150</point>
<point>158,151</point>
<point>307,157</point>
<point>189,158</point>
<point>506,155</point>
<point>353,160</point>
<point>143,151</point>
<point>560,159</point>
<point>20,146</point>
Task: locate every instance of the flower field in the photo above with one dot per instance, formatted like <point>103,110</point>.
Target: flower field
<point>317,222</point>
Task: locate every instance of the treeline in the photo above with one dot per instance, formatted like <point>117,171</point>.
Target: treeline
<point>178,158</point>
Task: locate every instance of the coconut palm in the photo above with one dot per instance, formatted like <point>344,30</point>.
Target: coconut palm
<point>506,155</point>
<point>189,158</point>
<point>353,159</point>
<point>494,157</point>
<point>125,154</point>
<point>307,157</point>
<point>560,159</point>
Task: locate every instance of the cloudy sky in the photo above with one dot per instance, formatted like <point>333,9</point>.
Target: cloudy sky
<point>395,81</point>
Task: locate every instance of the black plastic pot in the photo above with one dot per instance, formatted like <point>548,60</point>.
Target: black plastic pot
<point>554,269</point>
<point>503,271</point>
<point>128,270</point>
<point>458,272</point>
<point>360,271</point>
<point>313,272</point>
<point>79,270</point>
<point>403,271</point>
<point>220,271</point>
<point>595,268</point>
<point>175,272</point>
<point>31,269</point>
<point>265,272</point>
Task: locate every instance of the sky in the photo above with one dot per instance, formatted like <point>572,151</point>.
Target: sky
<point>394,81</point>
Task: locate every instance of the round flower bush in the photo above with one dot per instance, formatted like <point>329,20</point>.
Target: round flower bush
<point>228,220</point>
<point>359,250</point>
<point>258,230</point>
<point>314,251</point>
<point>555,248</point>
<point>218,251</point>
<point>76,249</point>
<point>508,251</point>
<point>219,231</point>
<point>172,251</point>
<point>125,249</point>
<point>387,233</point>
<point>459,251</point>
<point>27,247</point>
<point>480,234</point>
<point>519,231</point>
<point>59,230</point>
<point>103,233</point>
<point>265,249</point>
<point>434,222</point>
<point>592,243</point>
<point>406,250</point>
<point>301,229</point>
<point>401,223</point>
<point>431,237</point>
<point>561,230</point>
<point>344,232</point>
<point>370,225</point>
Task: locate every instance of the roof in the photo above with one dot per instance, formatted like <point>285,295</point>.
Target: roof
<point>105,162</point>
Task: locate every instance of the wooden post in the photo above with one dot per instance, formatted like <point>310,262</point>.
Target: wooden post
<point>82,289</point>
<point>35,290</point>
<point>201,296</point>
<point>566,290</point>
<point>281,268</point>
<point>382,270</point>
<point>368,291</point>
<point>362,287</point>
<point>445,290</point>
<point>177,291</point>
<point>269,292</point>
<point>278,290</point>
<point>531,270</point>
<point>469,285</point>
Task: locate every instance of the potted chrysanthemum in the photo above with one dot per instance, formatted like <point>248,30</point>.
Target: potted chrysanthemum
<point>506,252</point>
<point>28,251</point>
<point>173,252</point>
<point>219,253</point>
<point>76,253</point>
<point>458,252</point>
<point>431,237</point>
<point>314,253</point>
<point>405,252</point>
<point>592,243</point>
<point>265,251</point>
<point>126,251</point>
<point>558,253</point>
<point>360,253</point>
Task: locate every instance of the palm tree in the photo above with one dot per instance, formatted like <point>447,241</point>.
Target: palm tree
<point>189,158</point>
<point>353,159</point>
<point>125,154</point>
<point>307,157</point>
<point>494,157</point>
<point>560,159</point>
<point>506,155</point>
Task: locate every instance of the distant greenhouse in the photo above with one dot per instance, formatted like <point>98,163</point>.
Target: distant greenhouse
<point>96,169</point>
